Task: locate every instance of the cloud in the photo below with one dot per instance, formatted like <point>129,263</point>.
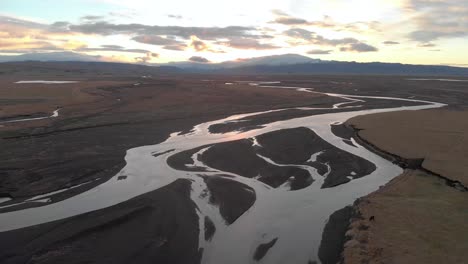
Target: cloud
<point>313,38</point>
<point>198,59</point>
<point>12,21</point>
<point>127,14</point>
<point>361,26</point>
<point>359,47</point>
<point>175,16</point>
<point>207,33</point>
<point>289,21</point>
<point>436,19</point>
<point>247,44</point>
<point>13,46</point>
<point>198,45</point>
<point>59,27</point>
<point>148,57</point>
<point>91,18</point>
<point>11,43</point>
<point>278,12</point>
<point>427,45</point>
<point>155,40</point>
<point>327,22</point>
<point>389,42</point>
<point>22,36</point>
<point>168,37</point>
<point>319,52</point>
<point>178,47</point>
<point>114,48</point>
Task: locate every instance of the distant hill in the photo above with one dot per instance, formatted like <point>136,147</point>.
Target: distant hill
<point>275,60</point>
<point>49,56</point>
<point>82,69</point>
<point>335,67</point>
<point>71,63</point>
<point>297,64</point>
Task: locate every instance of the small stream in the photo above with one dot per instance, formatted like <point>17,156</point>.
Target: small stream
<point>55,113</point>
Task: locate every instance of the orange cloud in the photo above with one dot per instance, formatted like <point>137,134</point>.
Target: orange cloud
<point>197,44</point>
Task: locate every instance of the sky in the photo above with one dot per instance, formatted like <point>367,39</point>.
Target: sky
<point>208,31</point>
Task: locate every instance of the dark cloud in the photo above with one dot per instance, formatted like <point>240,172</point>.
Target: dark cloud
<point>327,22</point>
<point>91,18</point>
<point>246,43</point>
<point>60,26</point>
<point>313,38</point>
<point>427,45</point>
<point>319,52</point>
<point>437,19</point>
<point>289,21</point>
<point>175,16</point>
<point>207,33</point>
<point>198,59</point>
<point>11,21</point>
<point>359,47</point>
<point>111,48</point>
<point>168,37</point>
<point>391,42</point>
<point>178,47</point>
<point>155,40</point>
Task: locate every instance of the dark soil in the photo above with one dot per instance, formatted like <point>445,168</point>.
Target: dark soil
<point>241,158</point>
<point>263,249</point>
<point>295,146</point>
<point>233,198</point>
<point>157,227</point>
<point>333,237</point>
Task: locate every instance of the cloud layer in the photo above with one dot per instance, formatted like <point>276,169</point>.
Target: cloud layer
<point>416,25</point>
<point>436,19</point>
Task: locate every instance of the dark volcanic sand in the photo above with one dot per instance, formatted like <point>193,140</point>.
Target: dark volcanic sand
<point>233,198</point>
<point>343,131</point>
<point>240,157</point>
<point>333,237</point>
<point>262,249</point>
<point>284,147</point>
<point>181,160</point>
<point>157,227</point>
<point>295,146</point>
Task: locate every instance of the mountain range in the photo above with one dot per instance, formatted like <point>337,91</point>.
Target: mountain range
<point>277,64</point>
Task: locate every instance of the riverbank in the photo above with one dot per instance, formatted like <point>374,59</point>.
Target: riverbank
<point>420,216</point>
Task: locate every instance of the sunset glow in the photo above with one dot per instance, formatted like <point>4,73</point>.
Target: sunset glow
<point>144,31</point>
